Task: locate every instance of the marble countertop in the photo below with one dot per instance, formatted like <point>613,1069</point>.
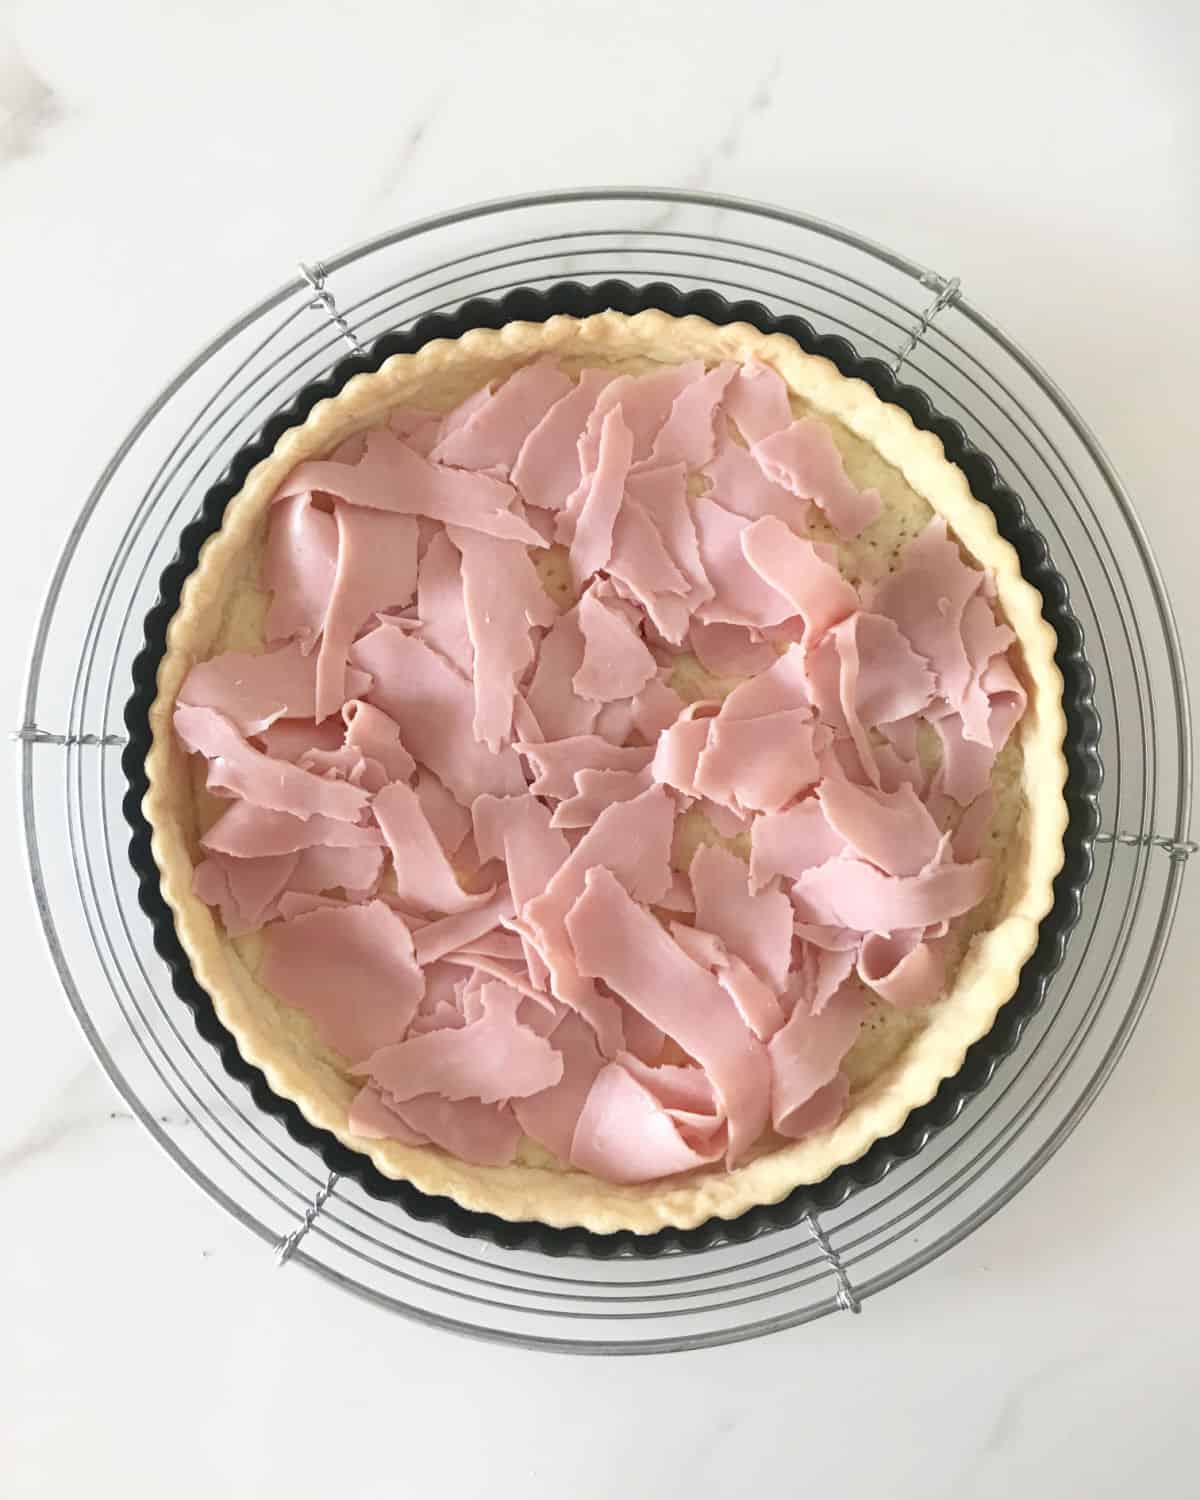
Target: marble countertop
<point>161,167</point>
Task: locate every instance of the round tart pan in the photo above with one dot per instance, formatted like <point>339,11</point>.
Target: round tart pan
<point>1081,749</point>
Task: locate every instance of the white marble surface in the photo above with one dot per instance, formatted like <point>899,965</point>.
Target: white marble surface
<point>161,166</point>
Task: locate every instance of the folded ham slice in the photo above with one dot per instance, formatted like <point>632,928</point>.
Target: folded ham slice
<point>253,691</point>
<point>804,459</point>
<point>425,878</point>
<point>850,893</point>
<point>625,1135</point>
<point>808,1092</point>
<point>616,939</point>
<point>494,434</point>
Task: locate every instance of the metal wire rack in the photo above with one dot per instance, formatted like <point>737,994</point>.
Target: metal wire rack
<point>91,629</point>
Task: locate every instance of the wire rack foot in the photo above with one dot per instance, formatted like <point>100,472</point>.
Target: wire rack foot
<point>323,301</point>
<point>32,735</point>
<point>286,1247</point>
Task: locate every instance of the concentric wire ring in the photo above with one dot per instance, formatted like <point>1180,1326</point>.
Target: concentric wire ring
<point>91,629</point>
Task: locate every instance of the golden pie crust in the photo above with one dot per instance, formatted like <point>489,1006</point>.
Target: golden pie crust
<point>899,1058</point>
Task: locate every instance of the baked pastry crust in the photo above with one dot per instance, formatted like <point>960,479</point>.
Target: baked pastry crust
<point>895,1068</point>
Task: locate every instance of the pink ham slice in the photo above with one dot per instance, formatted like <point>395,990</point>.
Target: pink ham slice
<point>901,969</point>
<point>625,1135</point>
<point>966,766</point>
<point>376,570</point>
<point>592,515</point>
<point>926,597</point>
<point>661,494</point>
<point>371,1119</point>
<point>616,663</point>
<point>849,893</point>
<point>796,569</point>
<point>758,928</point>
<point>757,401</point>
<point>433,707</point>
<point>328,868</point>
<point>493,435</point>
<point>547,470</point>
<point>818,974</point>
<point>551,1117</point>
<point>371,731</point>
<point>558,762</point>
<point>392,477</point>
<point>740,485</point>
<point>757,765</point>
<point>503,598</point>
<point>441,604</point>
<point>596,790</point>
<point>892,830</point>
<point>985,639</point>
<point>351,970</point>
<point>425,879</point>
<point>486,1134</point>
<point>791,842</point>
<point>492,1059</point>
<point>464,929</point>
<point>246,831</point>
<point>806,1057</point>
<point>292,739</point>
<point>644,402</point>
<point>633,840</point>
<point>755,1002</point>
<point>617,940</point>
<point>641,567</point>
<point>559,711</point>
<point>679,747</point>
<point>781,688</point>
<point>450,821</point>
<point>298,569</point>
<point>687,434</point>
<point>238,769</point>
<point>741,596</point>
<point>255,691</point>
<point>804,459</point>
<point>730,650</point>
<point>518,830</point>
<point>656,708</point>
<point>244,891</point>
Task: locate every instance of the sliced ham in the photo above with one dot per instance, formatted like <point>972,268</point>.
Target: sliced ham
<point>617,940</point>
<point>376,570</point>
<point>757,927</point>
<point>780,689</point>
<point>644,402</point>
<point>795,568</point>
<point>504,598</point>
<point>391,476</point>
<point>806,1057</point>
<point>441,604</point>
<point>547,470</point>
<point>551,696</point>
<point>740,594</point>
<point>558,762</point>
<point>625,1135</point>
<point>486,1134</point>
<point>739,484</point>
<point>490,1059</point>
<point>686,436</point>
<point>633,841</point>
<point>656,708</point>
<point>425,878</point>
<point>818,973</point>
<point>253,691</point>
<point>518,830</point>
<point>901,969</point>
<point>757,765</point>
<point>351,970</point>
<point>804,459</point>
<point>455,933</point>
<point>433,707</point>
<point>616,663</point>
<point>328,868</point>
<point>371,1119</point>
<point>729,650</point>
<point>596,790</point>
<point>757,400</point>
<point>293,739</point>
<point>642,568</point>
<point>679,747</point>
<point>850,893</point>
<point>244,891</point>
<point>449,819</point>
<point>791,842</point>
<point>551,1116</point>
<point>892,830</point>
<point>236,768</point>
<point>593,513</point>
<point>493,435</point>
<point>298,568</point>
<point>371,731</point>
<point>662,494</point>
<point>246,831</point>
<point>755,1001</point>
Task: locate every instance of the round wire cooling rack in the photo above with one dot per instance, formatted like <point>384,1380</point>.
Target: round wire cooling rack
<point>91,630</point>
